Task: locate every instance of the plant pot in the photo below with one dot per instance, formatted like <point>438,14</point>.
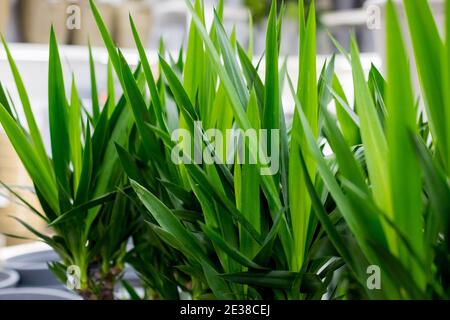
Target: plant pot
<point>37,16</point>
<point>33,269</point>
<point>36,294</point>
<point>8,279</point>
<point>87,28</point>
<point>141,13</point>
<point>4,15</point>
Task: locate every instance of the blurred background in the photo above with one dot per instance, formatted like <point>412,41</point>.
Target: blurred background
<point>26,24</point>
<point>29,20</point>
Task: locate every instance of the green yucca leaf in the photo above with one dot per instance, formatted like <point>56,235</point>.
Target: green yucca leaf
<point>169,222</point>
<point>219,287</point>
<point>238,108</point>
<point>109,43</point>
<point>139,107</point>
<point>406,184</point>
<point>342,106</point>
<point>38,234</point>
<point>271,113</point>
<point>231,63</point>
<point>351,171</point>
<point>180,94</point>
<point>349,126</point>
<point>195,58</point>
<point>300,203</point>
<point>58,117</point>
<point>130,164</point>
<point>252,77</point>
<point>211,189</point>
<point>181,193</point>
<point>156,101</point>
<point>24,201</point>
<point>428,49</point>
<point>236,104</point>
<point>328,225</point>
<point>221,113</point>
<point>275,279</point>
<point>4,100</point>
<point>374,140</point>
<point>26,105</point>
<point>377,86</point>
<point>168,238</point>
<point>82,194</point>
<point>76,151</point>
<point>348,165</point>
<point>99,137</point>
<point>342,201</point>
<point>28,156</point>
<point>446,79</point>
<point>81,208</point>
<point>111,88</point>
<point>251,37</point>
<point>230,251</point>
<point>438,188</point>
<point>243,122</point>
<point>94,91</point>
<point>397,271</point>
<point>248,201</point>
<point>267,247</point>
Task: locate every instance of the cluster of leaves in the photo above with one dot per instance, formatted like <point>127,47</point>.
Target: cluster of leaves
<point>237,231</point>
<point>381,197</point>
<point>82,187</point>
<point>395,202</point>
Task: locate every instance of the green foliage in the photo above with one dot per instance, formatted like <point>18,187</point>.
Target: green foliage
<point>224,230</point>
<point>81,186</point>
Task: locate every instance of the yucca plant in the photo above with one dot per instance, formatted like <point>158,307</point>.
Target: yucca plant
<point>241,233</point>
<point>81,185</point>
<point>393,189</point>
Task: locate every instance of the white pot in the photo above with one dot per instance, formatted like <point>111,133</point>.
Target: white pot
<point>36,294</point>
<point>8,278</point>
<point>33,269</point>
<point>86,29</point>
<point>4,15</point>
<point>142,17</point>
<point>37,16</point>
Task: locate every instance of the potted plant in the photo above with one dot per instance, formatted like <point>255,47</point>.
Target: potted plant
<point>398,173</point>
<point>273,218</point>
<point>80,187</point>
<point>228,223</point>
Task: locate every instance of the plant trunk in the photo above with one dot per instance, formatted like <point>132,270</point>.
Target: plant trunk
<point>101,286</point>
